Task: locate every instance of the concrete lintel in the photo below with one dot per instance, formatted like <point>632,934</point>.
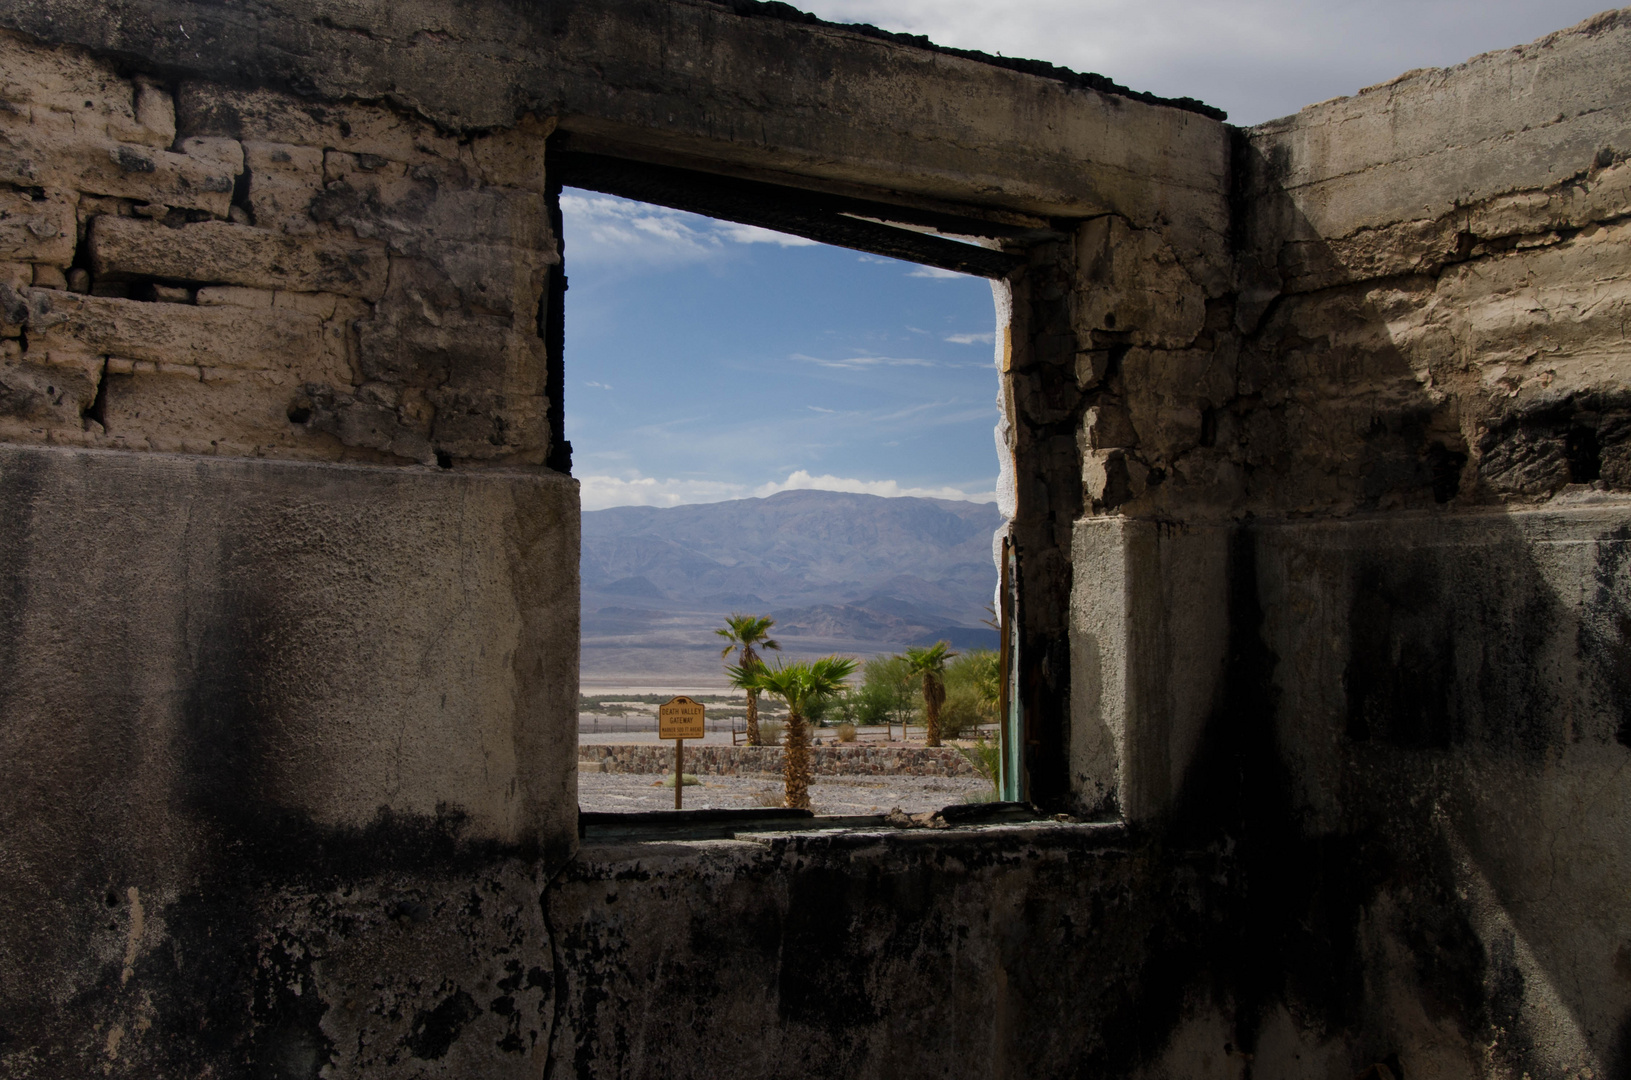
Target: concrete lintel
<point>820,101</point>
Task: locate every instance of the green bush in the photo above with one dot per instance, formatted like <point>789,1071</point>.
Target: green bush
<point>986,759</point>
<point>962,712</point>
<point>824,710</point>
<point>770,732</point>
<point>870,704</point>
<point>971,692</point>
<point>889,691</point>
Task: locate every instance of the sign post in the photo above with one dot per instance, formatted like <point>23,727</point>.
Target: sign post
<point>679,719</point>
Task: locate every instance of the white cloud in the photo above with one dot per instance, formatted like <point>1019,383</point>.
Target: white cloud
<point>604,231</point>
<point>936,272</point>
<point>609,233</point>
<point>801,480</point>
<point>859,362</point>
<point>598,385</point>
<point>972,339</point>
<point>752,234</point>
<point>601,492</point>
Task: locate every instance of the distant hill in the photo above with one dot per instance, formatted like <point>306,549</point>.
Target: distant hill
<point>839,572</point>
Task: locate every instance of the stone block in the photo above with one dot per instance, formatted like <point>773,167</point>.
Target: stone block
<point>514,156</point>
<point>283,180</point>
<point>375,417</point>
<point>487,424</point>
<point>226,153</point>
<point>234,296</point>
<point>155,113</point>
<point>186,409</point>
<point>262,115</point>
<point>33,157</point>
<point>420,334</point>
<point>202,336</point>
<point>43,391</point>
<point>221,252</point>
<point>63,88</point>
<point>489,246</point>
<point>39,230</point>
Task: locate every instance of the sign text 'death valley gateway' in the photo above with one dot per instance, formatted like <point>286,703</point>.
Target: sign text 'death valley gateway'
<point>679,719</point>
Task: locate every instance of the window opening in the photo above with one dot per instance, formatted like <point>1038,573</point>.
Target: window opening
<point>768,425</point>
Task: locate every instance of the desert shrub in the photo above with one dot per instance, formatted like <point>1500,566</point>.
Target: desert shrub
<point>769,797</point>
<point>868,704</point>
<point>846,732</point>
<point>689,779</point>
<point>976,672</point>
<point>771,731</point>
<point>986,757</point>
<point>889,690</point>
<point>971,692</point>
<point>962,712</point>
<point>824,709</point>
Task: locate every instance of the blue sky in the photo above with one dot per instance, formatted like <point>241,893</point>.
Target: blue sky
<point>711,361</point>
<point>707,360</point>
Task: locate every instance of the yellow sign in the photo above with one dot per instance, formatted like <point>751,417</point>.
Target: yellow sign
<point>680,718</point>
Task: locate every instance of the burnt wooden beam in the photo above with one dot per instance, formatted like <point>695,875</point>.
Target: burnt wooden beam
<point>829,219</point>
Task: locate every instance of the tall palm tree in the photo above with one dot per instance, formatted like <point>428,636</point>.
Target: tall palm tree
<point>929,663</point>
<point>797,683</point>
<point>746,634</point>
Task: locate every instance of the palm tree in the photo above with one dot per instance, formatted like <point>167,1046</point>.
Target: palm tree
<point>929,662</point>
<point>797,683</point>
<point>743,633</point>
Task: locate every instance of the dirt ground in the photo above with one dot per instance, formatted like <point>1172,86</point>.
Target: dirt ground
<point>828,794</point>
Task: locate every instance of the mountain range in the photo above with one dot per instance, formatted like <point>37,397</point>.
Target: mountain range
<point>839,572</point>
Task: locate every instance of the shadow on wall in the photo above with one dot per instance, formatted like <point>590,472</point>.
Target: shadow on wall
<point>1413,773</point>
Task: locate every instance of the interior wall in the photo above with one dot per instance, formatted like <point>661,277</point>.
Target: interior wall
<point>1408,428</point>
<point>289,600</point>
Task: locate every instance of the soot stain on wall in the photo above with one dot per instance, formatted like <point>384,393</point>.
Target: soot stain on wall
<point>1604,637</point>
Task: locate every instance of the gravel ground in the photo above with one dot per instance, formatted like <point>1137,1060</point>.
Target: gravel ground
<point>828,794</point>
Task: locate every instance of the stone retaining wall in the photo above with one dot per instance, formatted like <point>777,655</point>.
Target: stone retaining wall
<point>767,760</point>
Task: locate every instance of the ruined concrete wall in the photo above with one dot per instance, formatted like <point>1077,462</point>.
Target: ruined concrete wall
<point>1433,298</point>
<point>1424,311</point>
<point>1378,521</point>
<point>1444,355</point>
<point>196,269</point>
<point>1006,951</point>
<point>289,604</point>
<point>1450,692</point>
<point>250,709</point>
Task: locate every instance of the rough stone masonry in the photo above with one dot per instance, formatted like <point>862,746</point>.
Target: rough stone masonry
<point>1316,449</point>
